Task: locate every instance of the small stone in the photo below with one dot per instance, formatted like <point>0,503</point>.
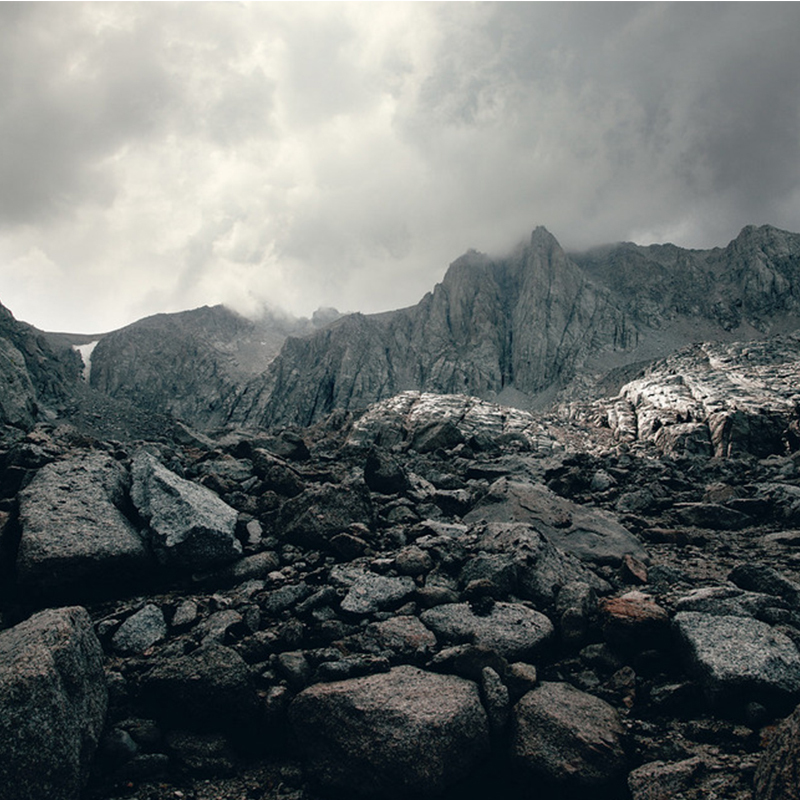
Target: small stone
<point>140,631</point>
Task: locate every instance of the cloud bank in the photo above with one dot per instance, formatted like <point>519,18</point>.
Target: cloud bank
<point>161,156</point>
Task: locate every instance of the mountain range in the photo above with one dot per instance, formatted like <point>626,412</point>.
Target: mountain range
<point>524,329</point>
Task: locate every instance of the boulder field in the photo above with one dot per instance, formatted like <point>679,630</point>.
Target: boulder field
<point>440,597</point>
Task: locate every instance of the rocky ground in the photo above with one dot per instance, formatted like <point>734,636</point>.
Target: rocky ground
<point>439,597</point>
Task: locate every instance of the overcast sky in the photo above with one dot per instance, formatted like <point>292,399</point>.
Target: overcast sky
<point>158,156</point>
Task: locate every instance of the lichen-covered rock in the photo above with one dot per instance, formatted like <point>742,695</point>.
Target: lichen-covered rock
<point>399,734</point>
<point>190,527</point>
<point>567,737</point>
<point>778,773</point>
<point>53,701</point>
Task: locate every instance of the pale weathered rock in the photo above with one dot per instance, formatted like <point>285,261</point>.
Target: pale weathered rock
<point>511,630</point>
<point>739,657</point>
<point>191,528</point>
<point>75,540</point>
<point>403,733</point>
<point>567,737</point>
<point>53,700</point>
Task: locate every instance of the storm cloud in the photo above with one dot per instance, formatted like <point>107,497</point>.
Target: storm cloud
<point>161,156</point>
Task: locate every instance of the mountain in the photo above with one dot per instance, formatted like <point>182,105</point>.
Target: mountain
<point>35,373</point>
<point>522,327</point>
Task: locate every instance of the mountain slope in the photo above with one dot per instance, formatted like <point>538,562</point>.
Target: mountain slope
<point>531,322</point>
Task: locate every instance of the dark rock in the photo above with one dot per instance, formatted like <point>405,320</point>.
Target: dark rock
<point>202,754</point>
<point>53,701</point>
<point>383,473</point>
<point>405,732</point>
<point>208,690</point>
<point>495,700</point>
<point>658,780</point>
<point>779,766</point>
<point>635,621</point>
<point>758,577</point>
<point>567,737</point>
<point>140,631</point>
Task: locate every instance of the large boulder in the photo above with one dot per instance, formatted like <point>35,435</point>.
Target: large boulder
<point>567,737</point>
<point>739,658</point>
<point>588,533</point>
<point>75,540</point>
<point>191,528</point>
<point>404,733</point>
<point>53,701</point>
<point>511,630</point>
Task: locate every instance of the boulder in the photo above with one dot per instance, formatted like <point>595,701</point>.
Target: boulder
<point>567,737</point>
<point>589,533</point>
<point>383,473</point>
<point>511,630</point>
<point>404,733</point>
<point>53,701</point>
<point>739,658</point>
<point>75,540</point>
<point>190,527</point>
<point>140,631</point>
<point>314,517</point>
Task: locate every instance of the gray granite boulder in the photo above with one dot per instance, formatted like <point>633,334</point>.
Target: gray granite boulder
<point>589,533</point>
<point>190,527</point>
<point>567,737</point>
<point>75,540</point>
<point>738,658</point>
<point>140,631</point>
<point>777,773</point>
<point>53,701</point>
<point>511,630</point>
<point>404,733</point>
<point>372,593</point>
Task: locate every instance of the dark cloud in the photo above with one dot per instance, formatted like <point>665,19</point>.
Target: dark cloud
<point>158,156</point>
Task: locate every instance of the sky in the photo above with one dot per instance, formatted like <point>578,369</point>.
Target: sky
<point>156,157</point>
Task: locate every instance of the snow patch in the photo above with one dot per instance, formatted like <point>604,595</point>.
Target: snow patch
<point>85,351</point>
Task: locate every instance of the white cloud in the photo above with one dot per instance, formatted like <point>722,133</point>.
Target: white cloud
<point>161,156</point>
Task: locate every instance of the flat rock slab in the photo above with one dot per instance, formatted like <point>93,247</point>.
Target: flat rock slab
<point>191,528</point>
<point>53,701</point>
<point>404,733</point>
<point>739,657</point>
<point>74,537</point>
<point>511,630</point>
<point>567,737</point>
<point>371,593</point>
<point>590,534</point>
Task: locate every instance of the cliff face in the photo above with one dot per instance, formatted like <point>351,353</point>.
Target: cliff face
<point>533,321</point>
<point>34,374</point>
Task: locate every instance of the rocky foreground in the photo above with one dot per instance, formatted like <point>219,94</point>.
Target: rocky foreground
<point>438,597</point>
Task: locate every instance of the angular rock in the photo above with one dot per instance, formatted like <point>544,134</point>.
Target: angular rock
<point>191,528</point>
<point>400,734</point>
<point>383,473</point>
<point>658,780</point>
<point>739,658</point>
<point>75,540</point>
<point>314,517</point>
<point>511,630</point>
<point>567,737</point>
<point>140,631</point>
<point>537,568</point>
<point>53,701</point>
